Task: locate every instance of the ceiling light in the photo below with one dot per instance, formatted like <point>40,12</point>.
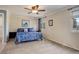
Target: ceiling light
<point>34,11</point>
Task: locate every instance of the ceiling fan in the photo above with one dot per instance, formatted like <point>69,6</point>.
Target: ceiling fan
<point>34,9</point>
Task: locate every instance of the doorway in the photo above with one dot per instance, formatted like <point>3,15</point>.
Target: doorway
<point>1,30</point>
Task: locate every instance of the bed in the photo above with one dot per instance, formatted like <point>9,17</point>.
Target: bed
<point>29,34</point>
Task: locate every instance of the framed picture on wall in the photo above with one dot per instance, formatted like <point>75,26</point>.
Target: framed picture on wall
<point>25,23</point>
<point>50,22</point>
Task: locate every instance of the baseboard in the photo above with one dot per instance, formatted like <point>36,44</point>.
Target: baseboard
<point>61,44</point>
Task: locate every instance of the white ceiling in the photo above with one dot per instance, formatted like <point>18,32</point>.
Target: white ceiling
<point>19,9</point>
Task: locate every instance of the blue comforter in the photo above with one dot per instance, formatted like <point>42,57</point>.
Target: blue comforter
<point>27,36</point>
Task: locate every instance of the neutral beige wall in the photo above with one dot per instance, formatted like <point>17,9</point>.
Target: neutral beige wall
<point>16,21</point>
<point>61,31</point>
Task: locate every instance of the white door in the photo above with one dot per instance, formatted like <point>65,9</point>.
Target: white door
<point>1,30</point>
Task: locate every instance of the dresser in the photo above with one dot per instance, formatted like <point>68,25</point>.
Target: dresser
<point>12,34</point>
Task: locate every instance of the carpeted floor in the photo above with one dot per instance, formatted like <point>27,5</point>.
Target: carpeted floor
<point>37,47</point>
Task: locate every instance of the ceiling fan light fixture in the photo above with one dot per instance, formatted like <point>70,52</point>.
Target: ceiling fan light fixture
<point>34,11</point>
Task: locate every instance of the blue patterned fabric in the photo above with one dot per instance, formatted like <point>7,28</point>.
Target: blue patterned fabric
<point>27,36</point>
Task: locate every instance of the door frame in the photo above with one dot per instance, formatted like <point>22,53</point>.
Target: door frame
<point>4,41</point>
<point>3,28</point>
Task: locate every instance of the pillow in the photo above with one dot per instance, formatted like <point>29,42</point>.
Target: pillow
<point>31,30</point>
<point>25,30</point>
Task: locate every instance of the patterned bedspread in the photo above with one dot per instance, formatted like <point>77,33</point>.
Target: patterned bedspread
<point>27,36</point>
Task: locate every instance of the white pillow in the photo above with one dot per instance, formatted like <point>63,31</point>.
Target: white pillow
<point>26,30</point>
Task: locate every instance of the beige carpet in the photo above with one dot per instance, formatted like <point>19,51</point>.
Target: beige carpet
<point>37,47</point>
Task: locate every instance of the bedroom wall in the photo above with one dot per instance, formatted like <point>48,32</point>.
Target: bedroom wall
<point>16,21</point>
<point>61,31</point>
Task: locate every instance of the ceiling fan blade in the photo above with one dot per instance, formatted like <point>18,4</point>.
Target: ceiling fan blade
<point>27,8</point>
<point>37,13</point>
<point>41,10</point>
<point>29,12</point>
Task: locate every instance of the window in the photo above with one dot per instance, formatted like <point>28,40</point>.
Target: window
<point>75,13</point>
<point>76,23</point>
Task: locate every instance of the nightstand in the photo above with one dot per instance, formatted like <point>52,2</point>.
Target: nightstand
<point>12,34</point>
